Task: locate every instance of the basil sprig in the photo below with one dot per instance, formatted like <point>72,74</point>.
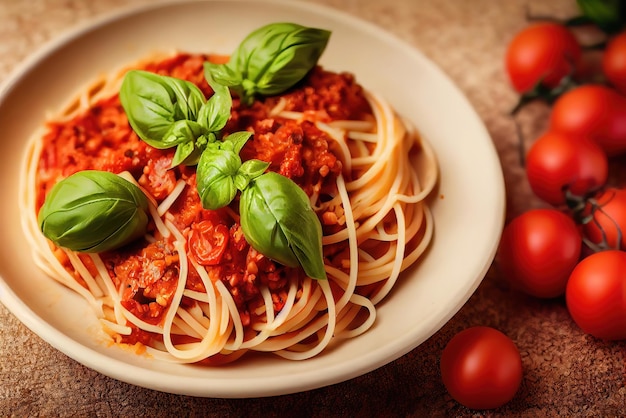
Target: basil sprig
<point>94,211</point>
<point>275,214</point>
<point>270,60</point>
<point>169,112</point>
<point>218,169</point>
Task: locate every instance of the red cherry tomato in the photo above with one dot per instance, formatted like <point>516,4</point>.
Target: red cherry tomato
<point>207,241</point>
<point>541,53</point>
<point>558,163</point>
<point>595,295</point>
<point>614,62</point>
<point>595,111</point>
<point>538,251</point>
<point>481,368</point>
<point>606,221</point>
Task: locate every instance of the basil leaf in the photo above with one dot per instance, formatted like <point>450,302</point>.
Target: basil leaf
<point>183,134</point>
<point>214,114</point>
<point>248,171</point>
<point>291,52</point>
<point>222,74</point>
<point>271,59</point>
<point>215,176</point>
<point>236,141</point>
<point>153,102</point>
<point>180,132</point>
<point>277,220</point>
<point>94,211</point>
<point>186,154</point>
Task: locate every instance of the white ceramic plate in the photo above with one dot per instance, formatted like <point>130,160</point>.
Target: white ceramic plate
<point>469,208</point>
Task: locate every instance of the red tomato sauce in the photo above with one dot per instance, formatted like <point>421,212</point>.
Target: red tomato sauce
<point>100,138</point>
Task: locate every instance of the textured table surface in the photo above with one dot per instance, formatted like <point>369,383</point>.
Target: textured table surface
<point>566,373</point>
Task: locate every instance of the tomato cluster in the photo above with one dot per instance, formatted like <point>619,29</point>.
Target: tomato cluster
<point>563,249</point>
<point>575,246</point>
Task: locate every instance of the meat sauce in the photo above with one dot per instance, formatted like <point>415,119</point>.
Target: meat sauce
<point>101,138</point>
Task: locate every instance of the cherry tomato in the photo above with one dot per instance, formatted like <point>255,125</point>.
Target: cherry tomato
<point>543,53</point>
<point>595,111</point>
<point>558,164</point>
<point>207,241</point>
<point>481,368</point>
<point>538,251</point>
<point>595,295</point>
<point>614,62</point>
<point>606,221</point>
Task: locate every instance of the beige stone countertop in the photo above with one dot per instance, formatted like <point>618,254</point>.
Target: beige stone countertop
<point>566,373</point>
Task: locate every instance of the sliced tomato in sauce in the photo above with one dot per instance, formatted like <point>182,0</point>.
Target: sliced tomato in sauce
<point>207,242</point>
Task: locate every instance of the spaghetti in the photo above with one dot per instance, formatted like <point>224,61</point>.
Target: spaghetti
<point>368,175</point>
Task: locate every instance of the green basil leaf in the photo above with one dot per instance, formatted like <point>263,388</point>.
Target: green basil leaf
<point>182,131</point>
<point>94,211</point>
<point>186,154</point>
<point>295,50</point>
<point>225,75</point>
<point>236,141</point>
<point>222,74</point>
<point>214,114</point>
<point>153,102</point>
<point>215,177</point>
<point>277,220</point>
<point>271,59</point>
<point>189,153</point>
<point>248,171</point>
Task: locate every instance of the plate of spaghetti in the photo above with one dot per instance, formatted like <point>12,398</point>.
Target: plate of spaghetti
<point>240,210</point>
